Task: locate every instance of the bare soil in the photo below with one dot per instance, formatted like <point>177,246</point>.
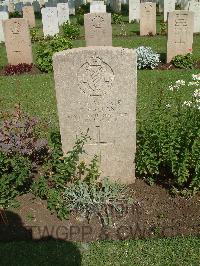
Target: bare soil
<point>153,213</point>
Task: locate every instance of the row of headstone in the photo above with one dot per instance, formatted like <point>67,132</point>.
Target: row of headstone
<point>37,5</point>
<point>146,14</point>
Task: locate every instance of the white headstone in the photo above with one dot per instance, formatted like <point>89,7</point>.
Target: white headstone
<point>97,7</point>
<point>169,6</point>
<point>94,96</point>
<point>63,13</point>
<point>50,21</point>
<point>195,7</point>
<point>3,16</point>
<point>134,10</point>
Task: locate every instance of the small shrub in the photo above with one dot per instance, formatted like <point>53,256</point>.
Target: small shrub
<point>124,9</point>
<point>15,14</point>
<point>14,177</point>
<point>183,61</point>
<point>94,199</point>
<point>71,31</point>
<point>18,136</point>
<point>36,35</point>
<point>147,58</point>
<point>117,18</point>
<point>58,172</point>
<point>163,28</point>
<point>168,139</point>
<point>45,50</point>
<point>80,20</point>
<point>83,9</point>
<point>17,69</point>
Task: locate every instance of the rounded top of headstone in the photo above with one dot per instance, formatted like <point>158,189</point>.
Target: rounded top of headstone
<point>106,49</point>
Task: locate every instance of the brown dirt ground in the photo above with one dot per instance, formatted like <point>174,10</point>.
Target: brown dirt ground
<point>154,213</point>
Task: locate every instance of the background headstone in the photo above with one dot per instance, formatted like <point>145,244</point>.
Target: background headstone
<point>134,10</point>
<point>29,15</point>
<point>17,41</point>
<point>116,5</point>
<point>147,18</point>
<point>169,6</point>
<point>180,33</point>
<point>97,7</point>
<point>98,29</point>
<point>63,13</point>
<point>93,93</point>
<point>50,21</point>
<point>71,4</point>
<point>3,16</point>
<point>195,7</point>
<point>11,7</point>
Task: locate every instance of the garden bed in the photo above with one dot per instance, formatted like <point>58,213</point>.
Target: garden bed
<point>154,213</point>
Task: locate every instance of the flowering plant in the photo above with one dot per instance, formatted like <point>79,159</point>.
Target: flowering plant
<point>147,58</point>
<point>169,140</point>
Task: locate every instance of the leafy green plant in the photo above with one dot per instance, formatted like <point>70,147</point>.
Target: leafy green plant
<point>168,141</point>
<point>183,61</point>
<point>83,9</point>
<point>59,171</point>
<point>36,36</point>
<point>45,50</point>
<point>117,18</point>
<point>163,28</point>
<point>70,30</point>
<point>15,14</point>
<point>80,20</point>
<point>124,9</point>
<point>15,177</point>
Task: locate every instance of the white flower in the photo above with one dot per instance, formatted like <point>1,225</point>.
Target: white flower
<point>193,83</point>
<point>196,77</point>
<point>168,105</point>
<point>171,88</point>
<point>187,103</point>
<point>180,82</point>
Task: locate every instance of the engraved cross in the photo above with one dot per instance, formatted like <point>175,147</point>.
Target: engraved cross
<point>99,142</point>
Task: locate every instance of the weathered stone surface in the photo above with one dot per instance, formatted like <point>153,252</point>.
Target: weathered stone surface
<point>28,14</point>
<point>50,21</point>
<point>97,7</point>
<point>134,10</point>
<point>3,16</point>
<point>93,93</point>
<point>63,13</point>
<point>194,6</point>
<point>180,33</point>
<point>17,41</point>
<point>98,29</point>
<point>147,18</point>
<point>169,6</point>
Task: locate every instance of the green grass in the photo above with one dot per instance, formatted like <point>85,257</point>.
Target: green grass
<point>36,93</point>
<point>152,252</point>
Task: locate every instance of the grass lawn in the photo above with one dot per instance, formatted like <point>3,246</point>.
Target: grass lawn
<point>36,94</point>
<point>167,251</point>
